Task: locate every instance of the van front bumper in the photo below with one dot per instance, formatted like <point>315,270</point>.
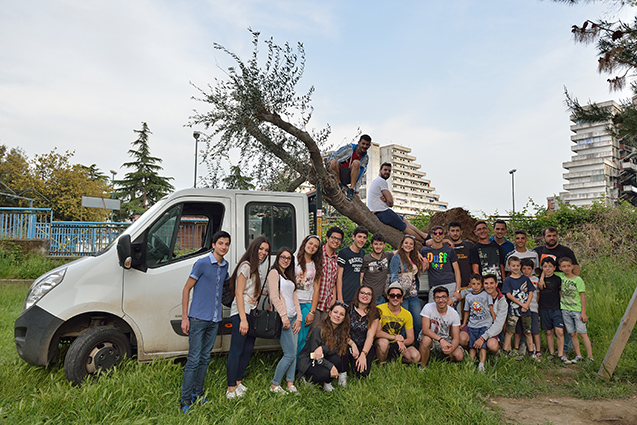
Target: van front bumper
<point>33,332</point>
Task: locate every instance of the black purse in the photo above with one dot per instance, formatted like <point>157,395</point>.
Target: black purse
<point>226,294</point>
<point>265,322</point>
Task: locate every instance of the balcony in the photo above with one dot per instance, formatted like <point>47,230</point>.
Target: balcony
<point>583,146</point>
<point>585,185</point>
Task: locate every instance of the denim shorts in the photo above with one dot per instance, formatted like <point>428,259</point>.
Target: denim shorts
<point>573,322</point>
<point>551,319</point>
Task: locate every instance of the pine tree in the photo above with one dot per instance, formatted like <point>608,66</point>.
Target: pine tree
<point>142,187</point>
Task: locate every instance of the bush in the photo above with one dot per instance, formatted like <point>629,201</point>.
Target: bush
<point>16,265</point>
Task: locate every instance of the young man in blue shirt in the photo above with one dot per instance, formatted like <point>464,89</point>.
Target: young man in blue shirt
<point>201,323</point>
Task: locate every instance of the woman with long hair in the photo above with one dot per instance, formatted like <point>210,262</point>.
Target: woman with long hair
<point>246,284</point>
<point>308,271</point>
<point>282,290</point>
<point>364,322</point>
<point>324,356</point>
<point>403,269</point>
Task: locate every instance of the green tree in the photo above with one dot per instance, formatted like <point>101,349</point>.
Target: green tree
<point>142,187</point>
<point>14,164</point>
<point>257,110</point>
<point>235,180</point>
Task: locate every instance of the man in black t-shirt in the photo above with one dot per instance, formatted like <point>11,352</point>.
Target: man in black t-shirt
<point>486,257</point>
<point>350,263</point>
<point>553,249</point>
<point>462,248</point>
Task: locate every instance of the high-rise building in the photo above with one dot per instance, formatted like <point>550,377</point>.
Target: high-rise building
<point>602,168</point>
<point>412,192</point>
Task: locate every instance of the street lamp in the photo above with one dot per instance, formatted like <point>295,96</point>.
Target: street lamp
<point>512,172</point>
<point>113,173</point>
<point>196,135</point>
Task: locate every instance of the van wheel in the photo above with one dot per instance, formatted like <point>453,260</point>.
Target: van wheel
<point>96,349</point>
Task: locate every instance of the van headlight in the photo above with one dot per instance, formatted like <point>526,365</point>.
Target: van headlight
<point>42,286</point>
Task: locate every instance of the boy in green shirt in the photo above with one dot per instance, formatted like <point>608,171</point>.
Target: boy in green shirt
<point>573,303</point>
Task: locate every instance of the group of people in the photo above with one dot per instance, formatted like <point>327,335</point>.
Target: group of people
<point>342,309</point>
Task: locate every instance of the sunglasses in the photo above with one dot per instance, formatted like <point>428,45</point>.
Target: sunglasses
<point>436,233</point>
<point>395,295</point>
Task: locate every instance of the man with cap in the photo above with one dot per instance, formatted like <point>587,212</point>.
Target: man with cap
<point>390,342</point>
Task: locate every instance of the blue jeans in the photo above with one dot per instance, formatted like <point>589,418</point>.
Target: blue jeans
<point>240,352</point>
<point>201,339</point>
<point>288,363</point>
<point>413,305</point>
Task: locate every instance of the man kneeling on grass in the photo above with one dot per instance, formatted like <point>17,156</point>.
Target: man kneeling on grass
<point>440,328</point>
<point>393,320</point>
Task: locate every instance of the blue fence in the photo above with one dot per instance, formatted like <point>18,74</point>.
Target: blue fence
<point>68,238</point>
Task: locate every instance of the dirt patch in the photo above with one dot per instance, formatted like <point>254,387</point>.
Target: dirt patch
<point>568,411</point>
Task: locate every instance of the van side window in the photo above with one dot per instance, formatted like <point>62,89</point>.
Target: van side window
<point>277,221</point>
<point>183,231</point>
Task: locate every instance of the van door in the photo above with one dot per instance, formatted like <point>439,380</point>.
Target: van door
<point>172,243</point>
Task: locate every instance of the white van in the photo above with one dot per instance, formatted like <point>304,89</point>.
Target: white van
<point>127,299</point>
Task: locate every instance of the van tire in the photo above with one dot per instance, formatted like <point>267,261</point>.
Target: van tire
<point>96,349</point>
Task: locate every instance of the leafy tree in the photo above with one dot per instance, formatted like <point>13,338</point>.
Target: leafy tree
<point>617,56</point>
<point>52,181</point>
<point>257,110</point>
<point>235,180</point>
<point>142,187</point>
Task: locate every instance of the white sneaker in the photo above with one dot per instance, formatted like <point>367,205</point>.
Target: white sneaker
<point>242,388</point>
<point>328,387</point>
<point>278,390</point>
<point>292,389</point>
<point>481,367</point>
<point>231,394</point>
<point>342,379</point>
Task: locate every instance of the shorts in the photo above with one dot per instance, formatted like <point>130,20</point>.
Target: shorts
<point>393,351</point>
<point>573,322</point>
<point>390,218</point>
<point>535,324</point>
<point>512,321</point>
<point>435,347</point>
<point>345,173</point>
<point>475,334</point>
<point>551,319</point>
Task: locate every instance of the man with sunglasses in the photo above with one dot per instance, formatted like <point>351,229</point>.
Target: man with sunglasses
<point>443,266</point>
<point>394,319</point>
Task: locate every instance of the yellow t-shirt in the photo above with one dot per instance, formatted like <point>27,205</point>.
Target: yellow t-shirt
<point>393,323</point>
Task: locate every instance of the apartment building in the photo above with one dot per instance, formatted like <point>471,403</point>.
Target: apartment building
<point>601,168</point>
<point>412,192</point>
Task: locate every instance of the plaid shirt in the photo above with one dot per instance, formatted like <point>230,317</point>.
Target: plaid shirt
<point>328,280</point>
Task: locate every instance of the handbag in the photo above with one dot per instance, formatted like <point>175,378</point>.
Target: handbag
<point>265,322</point>
<point>226,294</point>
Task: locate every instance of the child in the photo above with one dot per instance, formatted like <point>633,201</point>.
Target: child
<point>202,322</point>
<point>527,270</point>
<point>519,290</point>
<point>475,312</point>
<point>550,310</point>
<point>573,303</point>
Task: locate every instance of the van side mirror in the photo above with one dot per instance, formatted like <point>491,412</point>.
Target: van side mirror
<point>124,249</point>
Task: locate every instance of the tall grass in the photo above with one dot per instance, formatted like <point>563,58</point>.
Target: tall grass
<point>445,393</point>
<point>16,265</point>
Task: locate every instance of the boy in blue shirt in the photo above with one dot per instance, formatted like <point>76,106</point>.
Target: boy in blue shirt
<point>479,317</point>
<point>202,322</point>
<point>518,290</point>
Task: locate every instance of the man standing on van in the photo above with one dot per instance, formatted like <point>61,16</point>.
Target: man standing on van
<point>202,322</point>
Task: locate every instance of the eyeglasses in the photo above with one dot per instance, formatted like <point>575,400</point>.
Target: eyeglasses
<point>286,258</point>
<point>336,238</point>
<point>436,233</point>
<point>367,294</point>
<point>395,295</point>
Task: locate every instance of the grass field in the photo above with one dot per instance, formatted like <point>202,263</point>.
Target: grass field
<point>445,393</point>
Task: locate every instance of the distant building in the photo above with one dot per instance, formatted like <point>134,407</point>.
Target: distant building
<point>602,168</point>
<point>412,192</point>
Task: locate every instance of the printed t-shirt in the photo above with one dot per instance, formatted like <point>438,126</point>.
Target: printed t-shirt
<point>440,264</point>
<point>394,323</point>
<point>440,324</point>
<point>305,282</point>
<point>375,271</point>
<point>352,264</point>
<point>478,307</point>
<point>520,288</point>
<point>489,258</point>
<point>571,288</point>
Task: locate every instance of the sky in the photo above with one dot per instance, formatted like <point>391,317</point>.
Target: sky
<point>474,88</point>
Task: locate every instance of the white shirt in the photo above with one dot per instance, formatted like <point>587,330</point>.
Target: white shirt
<point>374,193</point>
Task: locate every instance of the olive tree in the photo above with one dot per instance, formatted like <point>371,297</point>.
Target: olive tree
<point>257,109</point>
